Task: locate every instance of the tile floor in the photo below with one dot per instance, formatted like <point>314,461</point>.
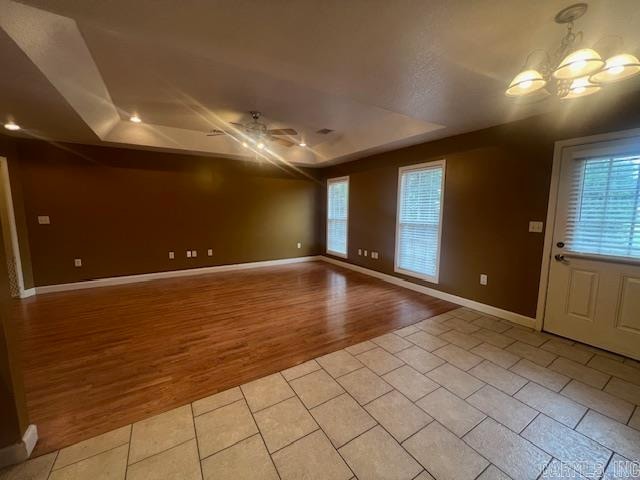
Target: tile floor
<point>458,396</point>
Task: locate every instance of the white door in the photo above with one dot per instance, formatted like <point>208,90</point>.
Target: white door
<point>594,278</point>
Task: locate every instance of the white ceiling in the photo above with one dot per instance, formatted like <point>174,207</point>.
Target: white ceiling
<point>380,74</point>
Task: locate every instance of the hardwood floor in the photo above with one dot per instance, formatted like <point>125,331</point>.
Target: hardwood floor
<point>97,359</point>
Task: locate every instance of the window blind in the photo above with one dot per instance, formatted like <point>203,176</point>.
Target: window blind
<point>419,221</point>
<point>337,215</point>
<point>604,207</point>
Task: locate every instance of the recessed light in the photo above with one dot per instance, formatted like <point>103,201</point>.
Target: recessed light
<point>260,145</point>
<point>135,119</point>
<point>244,144</point>
<point>11,126</point>
<point>302,144</point>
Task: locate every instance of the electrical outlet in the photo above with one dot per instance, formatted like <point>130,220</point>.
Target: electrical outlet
<point>172,255</point>
<point>483,279</point>
<point>536,227</point>
<point>188,253</point>
<point>360,251</point>
<point>299,245</point>
<point>44,219</point>
<point>194,253</point>
<point>210,252</point>
<point>374,255</point>
<point>77,262</point>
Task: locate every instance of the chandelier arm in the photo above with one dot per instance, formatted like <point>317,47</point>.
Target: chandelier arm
<point>545,66</point>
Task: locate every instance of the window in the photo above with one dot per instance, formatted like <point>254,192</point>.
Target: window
<point>337,215</point>
<point>419,221</point>
<point>604,207</point>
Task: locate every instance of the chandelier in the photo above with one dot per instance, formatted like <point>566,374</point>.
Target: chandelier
<point>572,70</point>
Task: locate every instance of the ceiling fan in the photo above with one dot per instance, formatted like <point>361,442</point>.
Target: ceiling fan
<point>259,133</point>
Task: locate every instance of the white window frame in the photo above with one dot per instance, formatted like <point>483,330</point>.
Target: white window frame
<point>420,166</point>
<point>329,182</point>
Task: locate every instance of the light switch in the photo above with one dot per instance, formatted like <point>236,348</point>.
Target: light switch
<point>299,245</point>
<point>366,253</point>
<point>44,219</point>
<point>210,252</point>
<point>188,253</point>
<point>172,255</point>
<point>194,253</point>
<point>77,262</point>
<point>536,227</point>
<point>360,251</point>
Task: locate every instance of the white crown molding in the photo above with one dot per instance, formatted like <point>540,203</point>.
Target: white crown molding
<point>145,277</point>
<point>465,302</point>
<point>19,452</point>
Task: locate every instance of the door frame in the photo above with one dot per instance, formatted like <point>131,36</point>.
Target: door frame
<point>552,207</point>
<point>12,250</point>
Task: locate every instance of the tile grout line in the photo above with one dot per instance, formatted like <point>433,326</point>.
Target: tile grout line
<point>126,470</point>
<point>374,426</point>
<point>216,408</point>
<point>320,426</point>
<point>273,405</point>
<point>258,427</point>
<point>378,424</point>
<point>86,458</point>
<point>159,453</point>
<point>482,472</point>
<point>52,464</point>
<point>636,409</point>
<point>607,383</point>
<point>195,432</point>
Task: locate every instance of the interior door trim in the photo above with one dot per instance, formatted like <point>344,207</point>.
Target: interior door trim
<point>559,150</point>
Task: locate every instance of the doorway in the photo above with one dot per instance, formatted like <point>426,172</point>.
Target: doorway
<point>9,233</point>
<point>593,290</point>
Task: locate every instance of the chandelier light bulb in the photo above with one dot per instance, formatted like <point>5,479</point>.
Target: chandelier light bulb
<point>619,67</point>
<point>579,64</point>
<point>525,83</point>
<point>12,126</point>
<point>260,145</point>
<point>581,87</point>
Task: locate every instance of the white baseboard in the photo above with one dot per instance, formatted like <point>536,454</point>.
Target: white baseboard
<point>19,452</point>
<point>29,292</point>
<point>465,302</point>
<point>145,277</point>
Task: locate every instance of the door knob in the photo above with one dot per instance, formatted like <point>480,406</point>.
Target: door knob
<point>560,244</point>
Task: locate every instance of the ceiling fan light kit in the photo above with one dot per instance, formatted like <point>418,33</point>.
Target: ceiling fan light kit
<point>572,71</point>
<point>257,133</point>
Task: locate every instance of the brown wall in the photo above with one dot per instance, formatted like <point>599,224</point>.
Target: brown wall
<point>497,180</point>
<point>121,211</point>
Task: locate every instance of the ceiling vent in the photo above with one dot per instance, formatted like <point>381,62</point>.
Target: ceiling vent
<point>324,131</point>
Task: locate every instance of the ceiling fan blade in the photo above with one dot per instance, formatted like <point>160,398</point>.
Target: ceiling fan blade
<point>282,141</point>
<point>237,124</point>
<point>282,131</point>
